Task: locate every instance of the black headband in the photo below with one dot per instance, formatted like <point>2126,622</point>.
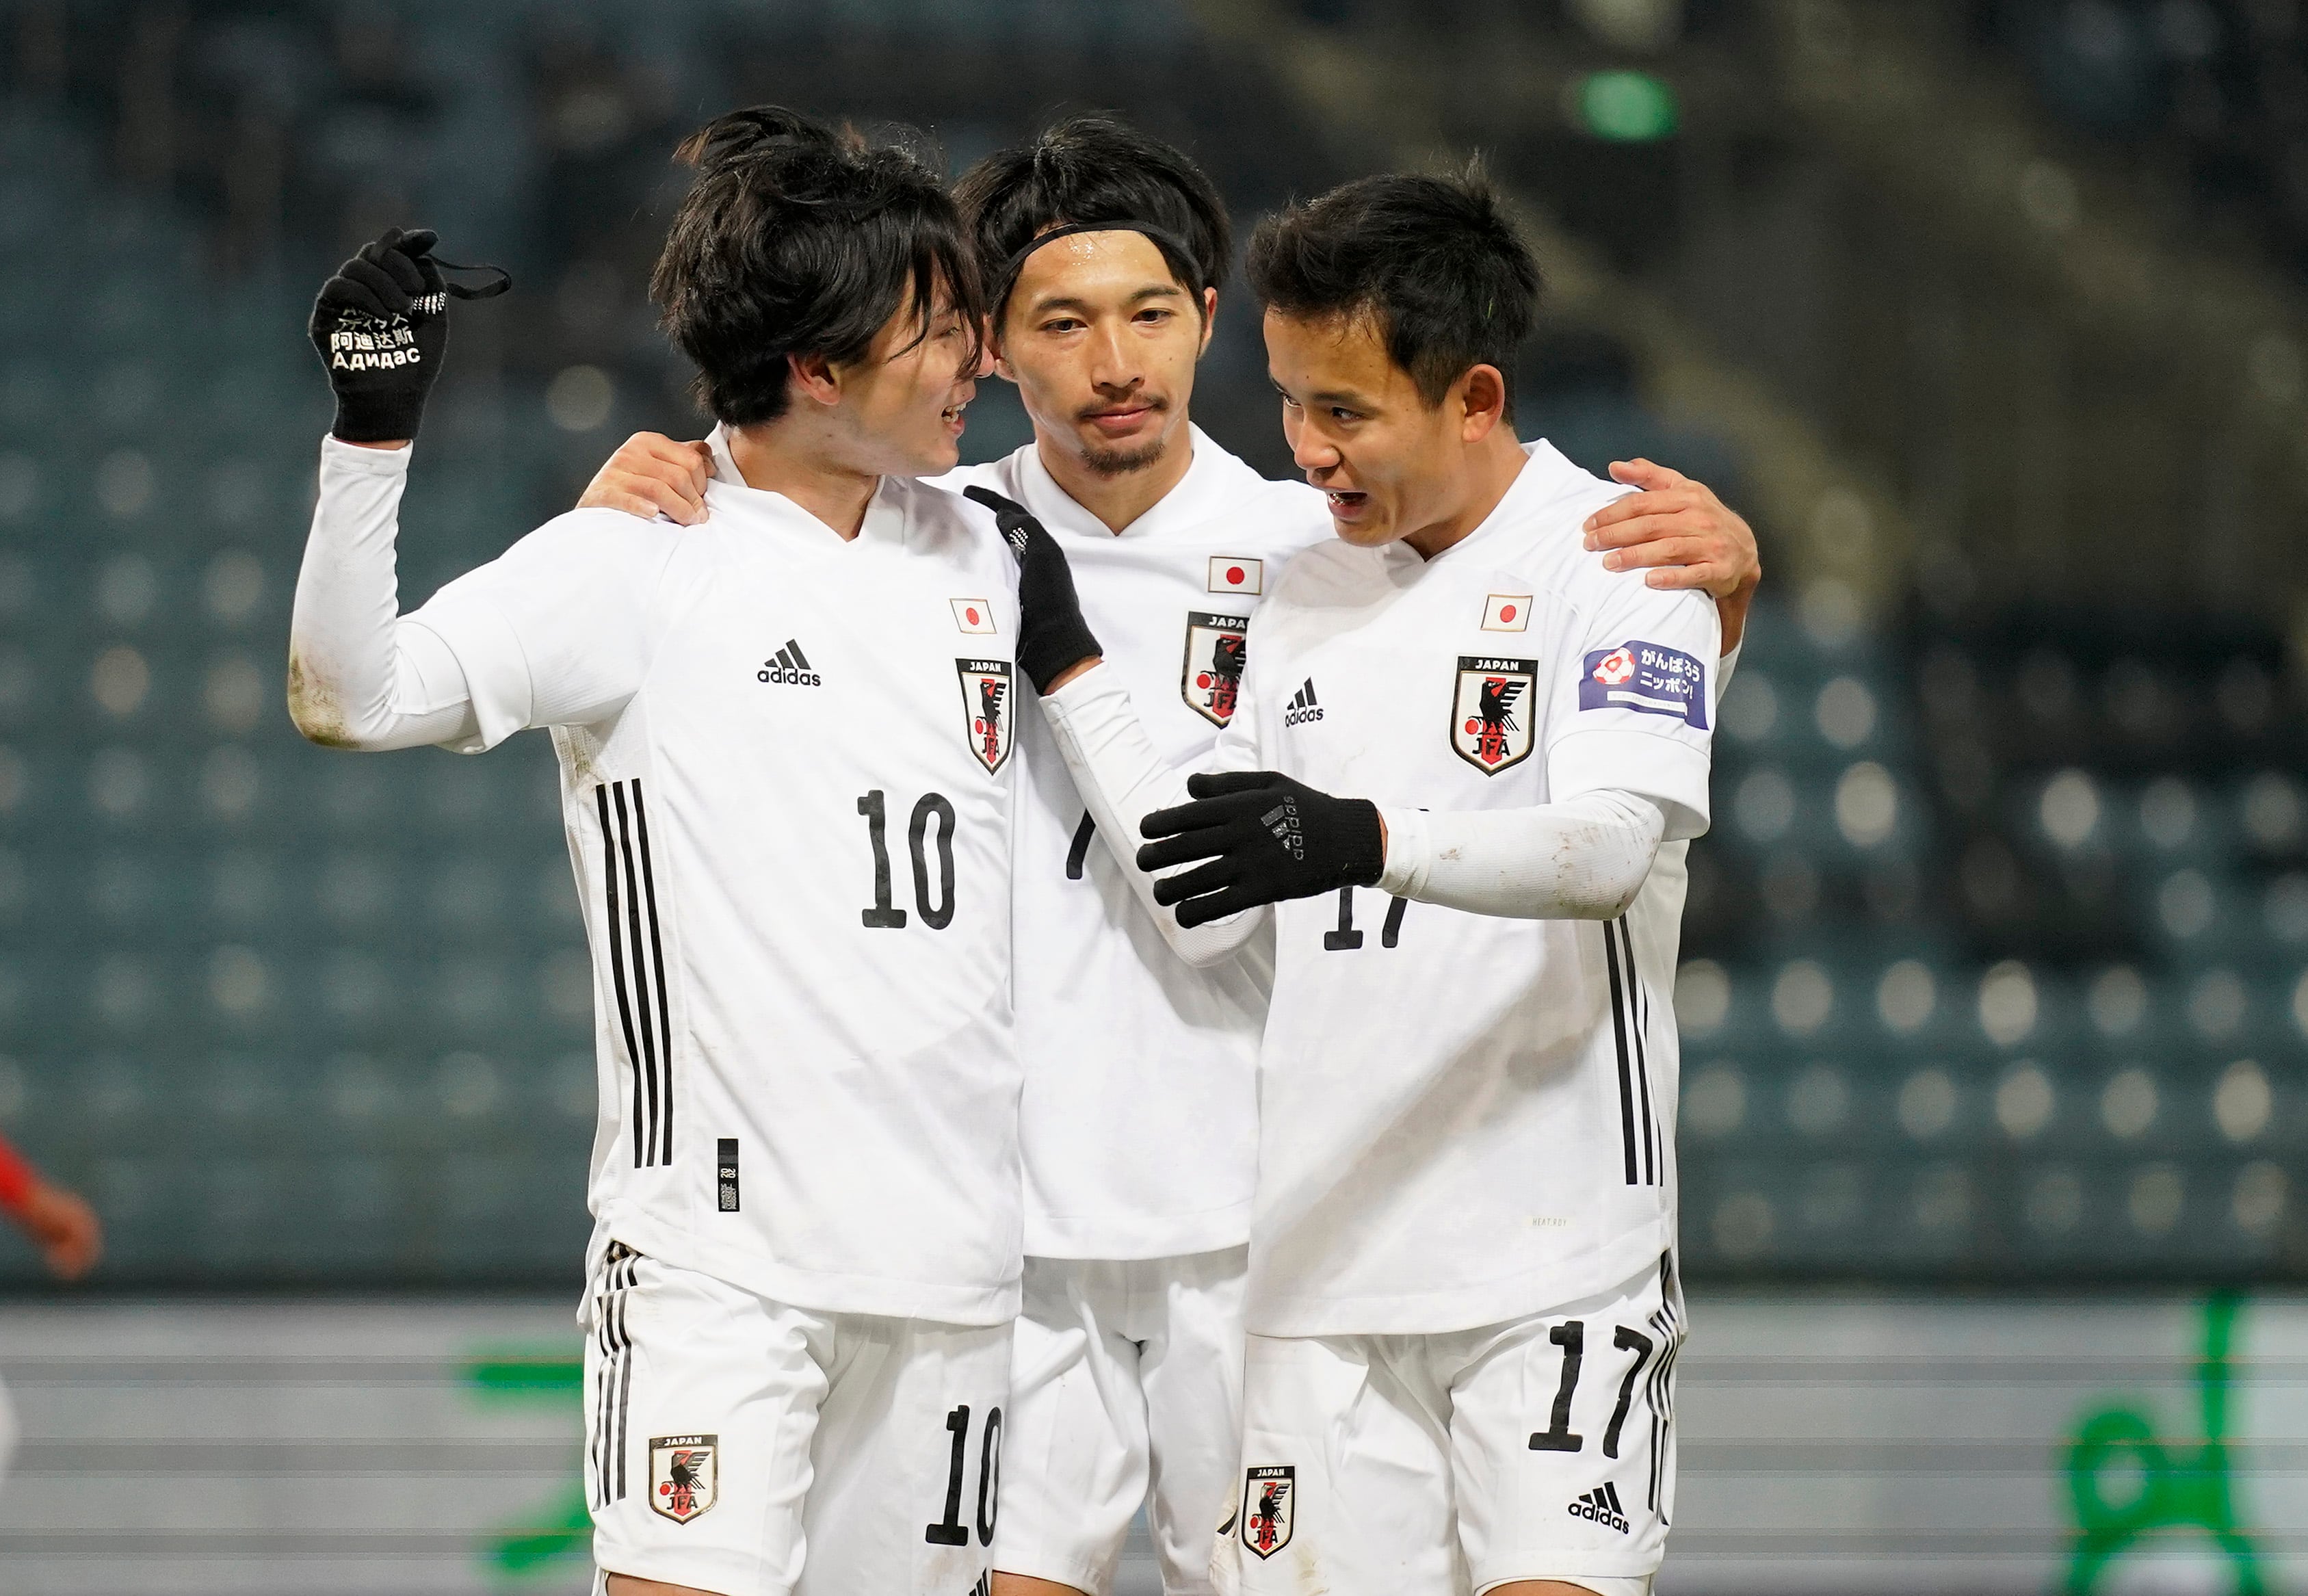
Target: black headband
<point>1174,249</point>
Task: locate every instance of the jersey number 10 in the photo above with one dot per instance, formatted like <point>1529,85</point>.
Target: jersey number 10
<point>937,915</point>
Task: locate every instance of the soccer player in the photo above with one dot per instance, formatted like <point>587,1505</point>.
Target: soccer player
<point>786,738</point>
<point>61,1225</point>
<point>1104,250</point>
<point>57,1222</point>
<point>1462,1298</point>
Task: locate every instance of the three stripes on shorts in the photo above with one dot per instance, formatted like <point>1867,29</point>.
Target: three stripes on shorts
<point>613,1393</point>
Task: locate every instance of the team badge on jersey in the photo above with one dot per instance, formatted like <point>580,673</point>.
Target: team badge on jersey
<point>1507,612</point>
<point>1213,677</point>
<point>1647,679</point>
<point>1231,574</point>
<point>985,709</point>
<point>972,615</point>
<point>1268,1507</point>
<point>684,1475</point>
<point>1491,711</point>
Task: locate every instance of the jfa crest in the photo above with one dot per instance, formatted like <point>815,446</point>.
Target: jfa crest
<point>1212,678</point>
<point>1269,1501</point>
<point>1492,712</point>
<point>685,1476</point>
<point>985,709</point>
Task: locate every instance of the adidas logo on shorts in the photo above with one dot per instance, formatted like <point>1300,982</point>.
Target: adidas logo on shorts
<point>790,668</point>
<point>1601,1505</point>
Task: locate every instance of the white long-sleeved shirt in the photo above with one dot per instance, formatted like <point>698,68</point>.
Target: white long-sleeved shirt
<point>1137,1128</point>
<point>786,767</point>
<point>1466,1101</point>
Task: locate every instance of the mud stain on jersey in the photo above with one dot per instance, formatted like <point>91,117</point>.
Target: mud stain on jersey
<point>582,750</point>
<point>316,708</point>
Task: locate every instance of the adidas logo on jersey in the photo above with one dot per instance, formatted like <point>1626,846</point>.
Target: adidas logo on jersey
<point>1302,707</point>
<point>790,668</point>
<point>1601,1505</point>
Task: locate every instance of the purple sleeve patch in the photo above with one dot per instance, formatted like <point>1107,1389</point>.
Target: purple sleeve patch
<point>1647,678</point>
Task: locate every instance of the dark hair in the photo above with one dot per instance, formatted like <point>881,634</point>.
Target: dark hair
<point>1094,168</point>
<point>798,238</point>
<point>1432,261</point>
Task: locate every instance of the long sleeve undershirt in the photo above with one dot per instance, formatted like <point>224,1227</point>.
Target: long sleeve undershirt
<point>360,674</point>
<point>1583,859</point>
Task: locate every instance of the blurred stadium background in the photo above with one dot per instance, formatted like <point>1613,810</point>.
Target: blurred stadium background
<point>1989,314</point>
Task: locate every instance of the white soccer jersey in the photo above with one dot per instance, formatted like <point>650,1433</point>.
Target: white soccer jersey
<point>1463,1118</point>
<point>791,823</point>
<point>1138,1122</point>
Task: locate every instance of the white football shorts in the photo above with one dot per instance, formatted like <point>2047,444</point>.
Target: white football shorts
<point>1540,1449</point>
<point>742,1445</point>
<point>1125,1389</point>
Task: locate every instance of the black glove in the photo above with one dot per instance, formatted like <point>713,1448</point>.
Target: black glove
<point>1267,838</point>
<point>1053,638</point>
<point>382,325</point>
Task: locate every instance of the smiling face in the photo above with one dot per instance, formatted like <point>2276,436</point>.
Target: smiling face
<point>1393,465</point>
<point>900,404</point>
<point>1101,340</point>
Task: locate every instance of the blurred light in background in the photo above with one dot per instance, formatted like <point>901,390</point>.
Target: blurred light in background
<point>1623,106</point>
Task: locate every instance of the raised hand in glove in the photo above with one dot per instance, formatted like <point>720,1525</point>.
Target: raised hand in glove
<point>382,325</point>
<point>1266,837</point>
<point>1053,638</point>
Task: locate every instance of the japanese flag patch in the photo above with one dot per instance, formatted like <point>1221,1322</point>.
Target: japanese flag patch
<point>1506,612</point>
<point>1646,678</point>
<point>972,615</point>
<point>1231,574</point>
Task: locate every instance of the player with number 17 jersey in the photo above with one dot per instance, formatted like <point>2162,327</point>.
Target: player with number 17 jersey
<point>1525,1109</point>
<point>1460,750</point>
<point>1466,1120</point>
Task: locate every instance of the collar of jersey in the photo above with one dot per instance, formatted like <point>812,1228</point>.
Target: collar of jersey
<point>1545,473</point>
<point>765,509</point>
<point>1200,493</point>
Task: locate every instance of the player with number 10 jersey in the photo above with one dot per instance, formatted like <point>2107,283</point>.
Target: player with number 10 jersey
<point>787,750</point>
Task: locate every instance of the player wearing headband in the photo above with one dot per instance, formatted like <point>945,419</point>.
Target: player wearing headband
<point>1105,250</point>
<point>785,739</point>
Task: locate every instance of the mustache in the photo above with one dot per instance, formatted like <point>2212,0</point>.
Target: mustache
<point>1146,403</point>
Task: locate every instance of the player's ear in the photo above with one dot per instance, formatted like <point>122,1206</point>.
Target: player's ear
<point>1209,320</point>
<point>815,375</point>
<point>994,350</point>
<point>1482,396</point>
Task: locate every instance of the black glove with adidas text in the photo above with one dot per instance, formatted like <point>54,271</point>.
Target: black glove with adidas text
<point>382,326</point>
<point>1266,837</point>
<point>1053,638</point>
